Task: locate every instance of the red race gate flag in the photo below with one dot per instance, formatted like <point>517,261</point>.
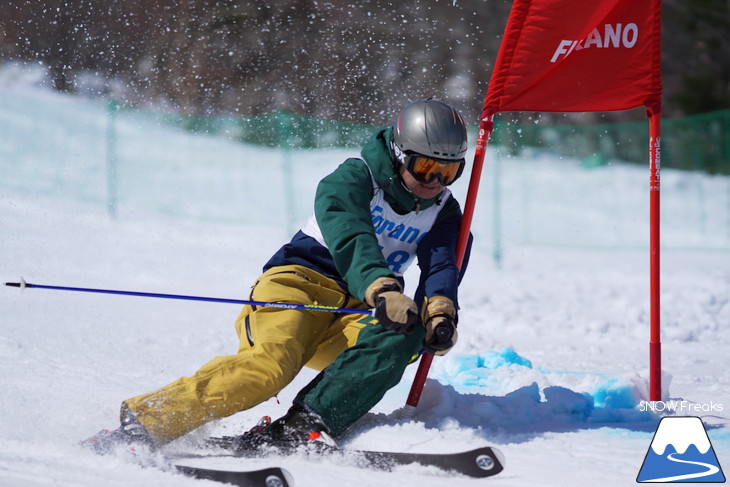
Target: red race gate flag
<point>576,56</point>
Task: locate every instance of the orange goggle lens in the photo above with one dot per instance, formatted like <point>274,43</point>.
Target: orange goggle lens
<point>426,169</point>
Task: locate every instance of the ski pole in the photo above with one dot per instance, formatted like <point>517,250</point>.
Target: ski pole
<point>310,307</point>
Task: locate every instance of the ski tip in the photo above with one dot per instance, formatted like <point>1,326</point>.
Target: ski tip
<point>277,477</point>
<point>288,478</point>
<point>490,462</point>
<point>266,477</point>
<point>500,456</point>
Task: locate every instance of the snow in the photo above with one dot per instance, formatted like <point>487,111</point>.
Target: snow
<point>551,366</point>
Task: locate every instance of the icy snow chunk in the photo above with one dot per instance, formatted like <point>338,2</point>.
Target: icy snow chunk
<point>507,356</point>
<point>565,402</point>
<point>617,393</point>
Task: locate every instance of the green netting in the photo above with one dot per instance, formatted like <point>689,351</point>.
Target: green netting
<point>134,161</point>
<point>697,143</point>
<point>279,129</point>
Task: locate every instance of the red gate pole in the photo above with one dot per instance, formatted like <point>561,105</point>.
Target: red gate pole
<point>655,346</point>
<point>485,129</point>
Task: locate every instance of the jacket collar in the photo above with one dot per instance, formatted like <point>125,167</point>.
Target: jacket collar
<point>377,154</point>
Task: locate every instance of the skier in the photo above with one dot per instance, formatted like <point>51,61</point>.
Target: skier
<point>372,217</point>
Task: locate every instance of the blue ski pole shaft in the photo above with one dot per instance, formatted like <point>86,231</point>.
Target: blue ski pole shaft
<point>310,307</point>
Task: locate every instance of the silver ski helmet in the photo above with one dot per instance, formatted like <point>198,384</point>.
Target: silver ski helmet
<point>429,139</point>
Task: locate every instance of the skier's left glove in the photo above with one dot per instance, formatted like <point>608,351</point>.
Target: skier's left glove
<point>393,309</point>
<point>439,317</point>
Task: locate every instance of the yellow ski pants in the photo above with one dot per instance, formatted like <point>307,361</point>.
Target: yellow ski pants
<point>274,345</point>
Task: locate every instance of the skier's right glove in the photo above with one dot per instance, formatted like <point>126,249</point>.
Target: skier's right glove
<point>393,309</point>
<point>439,317</point>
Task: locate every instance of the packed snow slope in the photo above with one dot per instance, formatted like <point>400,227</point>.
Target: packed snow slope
<point>550,366</point>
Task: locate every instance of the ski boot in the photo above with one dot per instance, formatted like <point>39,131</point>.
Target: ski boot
<point>130,436</point>
<point>299,427</point>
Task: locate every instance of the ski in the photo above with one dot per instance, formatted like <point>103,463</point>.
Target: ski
<point>144,453</point>
<point>480,462</point>
<point>267,477</point>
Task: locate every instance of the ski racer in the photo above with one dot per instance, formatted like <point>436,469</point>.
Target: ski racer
<point>373,216</point>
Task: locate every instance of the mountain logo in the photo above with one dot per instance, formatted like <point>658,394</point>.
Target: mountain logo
<point>681,452</point>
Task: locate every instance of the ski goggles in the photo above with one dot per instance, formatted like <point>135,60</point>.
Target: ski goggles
<point>426,169</point>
